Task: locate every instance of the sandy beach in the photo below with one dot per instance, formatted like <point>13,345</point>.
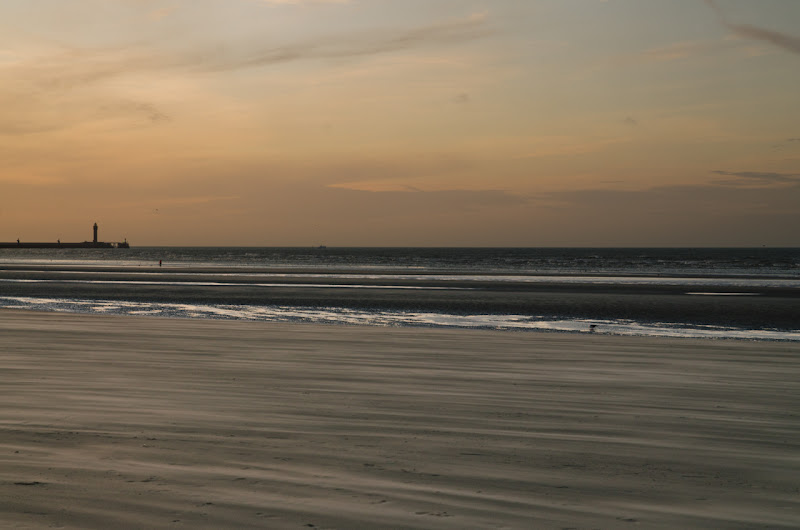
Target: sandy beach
<point>133,422</point>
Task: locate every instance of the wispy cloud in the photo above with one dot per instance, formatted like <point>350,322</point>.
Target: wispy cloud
<point>785,41</point>
<point>48,92</point>
<point>162,13</point>
<point>757,177</point>
<point>62,78</point>
<point>192,200</point>
<point>147,110</point>
<point>437,198</point>
<point>342,47</point>
<point>680,215</point>
<point>463,98</point>
<point>789,143</point>
<point>73,67</point>
<point>681,51</point>
<point>678,51</point>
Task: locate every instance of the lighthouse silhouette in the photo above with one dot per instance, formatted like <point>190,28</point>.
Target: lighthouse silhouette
<point>95,233</point>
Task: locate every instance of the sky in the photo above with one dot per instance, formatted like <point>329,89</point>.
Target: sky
<point>401,122</point>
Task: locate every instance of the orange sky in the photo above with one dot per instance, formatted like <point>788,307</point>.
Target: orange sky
<point>401,123</point>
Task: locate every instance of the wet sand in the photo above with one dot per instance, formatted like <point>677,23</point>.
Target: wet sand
<point>762,308</point>
<point>128,422</point>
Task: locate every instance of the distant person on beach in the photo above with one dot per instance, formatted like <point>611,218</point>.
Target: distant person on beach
<point>159,263</point>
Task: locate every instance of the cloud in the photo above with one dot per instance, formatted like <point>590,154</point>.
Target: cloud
<point>161,14</point>
<point>192,200</point>
<point>689,215</point>
<point>140,108</point>
<point>756,177</point>
<point>449,196</point>
<point>55,92</point>
<point>789,143</point>
<point>785,41</point>
<point>678,51</point>
<point>71,68</point>
<point>342,47</point>
<point>686,50</point>
<point>47,90</point>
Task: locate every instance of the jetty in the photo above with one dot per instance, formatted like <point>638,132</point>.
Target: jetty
<point>58,244</point>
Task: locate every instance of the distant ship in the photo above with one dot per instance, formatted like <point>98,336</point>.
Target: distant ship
<point>58,244</point>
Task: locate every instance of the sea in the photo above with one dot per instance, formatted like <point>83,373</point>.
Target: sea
<point>711,293</point>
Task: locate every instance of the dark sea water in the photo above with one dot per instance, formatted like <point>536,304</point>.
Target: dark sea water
<point>725,293</point>
<point>763,262</point>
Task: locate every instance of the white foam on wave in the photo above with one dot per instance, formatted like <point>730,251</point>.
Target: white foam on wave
<point>336,315</point>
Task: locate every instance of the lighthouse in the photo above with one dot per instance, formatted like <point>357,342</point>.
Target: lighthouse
<point>95,243</point>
